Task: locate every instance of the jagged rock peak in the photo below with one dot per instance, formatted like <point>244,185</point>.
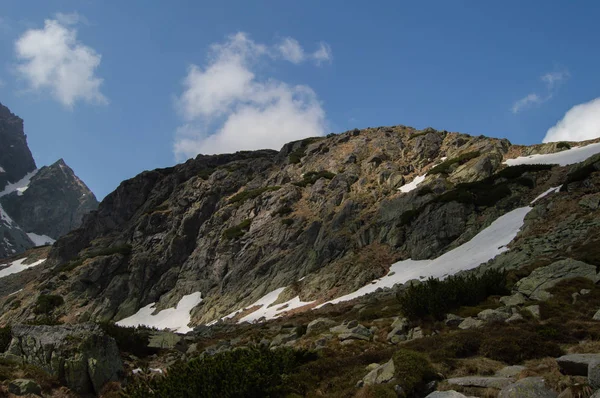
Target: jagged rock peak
<point>15,157</point>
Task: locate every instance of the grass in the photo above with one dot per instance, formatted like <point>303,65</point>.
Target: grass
<point>251,194</point>
<point>313,176</point>
<point>46,303</point>
<point>444,167</point>
<point>413,371</point>
<point>237,231</point>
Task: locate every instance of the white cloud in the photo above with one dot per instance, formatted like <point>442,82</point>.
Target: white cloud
<point>228,106</point>
<point>53,59</point>
<point>323,54</point>
<point>582,122</point>
<point>72,18</point>
<point>291,50</point>
<point>552,80</point>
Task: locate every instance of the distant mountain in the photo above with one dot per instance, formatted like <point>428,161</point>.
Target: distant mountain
<point>37,206</point>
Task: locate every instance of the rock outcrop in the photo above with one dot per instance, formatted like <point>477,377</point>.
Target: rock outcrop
<point>15,157</point>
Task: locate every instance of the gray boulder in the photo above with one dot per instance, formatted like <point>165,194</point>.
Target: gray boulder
<point>510,371</point>
<point>381,374</point>
<point>594,374</point>
<point>283,338</point>
<point>490,315</point>
<point>514,300</point>
<point>446,394</point>
<point>533,310</point>
<point>81,356</point>
<point>453,320</point>
<point>471,323</point>
<point>24,387</point>
<point>320,324</point>
<point>352,331</point>
<point>535,286</point>
<point>596,316</point>
<point>481,381</point>
<point>576,364</point>
<point>530,387</point>
<point>515,318</point>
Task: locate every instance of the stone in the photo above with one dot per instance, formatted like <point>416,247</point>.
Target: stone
<point>372,366</point>
<point>415,333</point>
<point>356,332</point>
<point>594,374</point>
<point>515,318</point>
<point>510,371</point>
<point>534,310</point>
<point>446,394</point>
<point>535,285</point>
<point>81,355</point>
<point>381,374</point>
<point>481,381</point>
<point>453,320</point>
<point>583,292</point>
<point>401,323</point>
<point>530,387</point>
<point>319,324</point>
<point>591,202</point>
<point>397,338</point>
<point>471,323</point>
<point>514,300</point>
<point>24,387</point>
<point>399,328</point>
<point>163,339</point>
<point>282,339</point>
<point>596,316</point>
<point>576,364</point>
<point>490,315</point>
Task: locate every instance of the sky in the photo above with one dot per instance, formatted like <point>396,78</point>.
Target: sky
<point>119,87</point>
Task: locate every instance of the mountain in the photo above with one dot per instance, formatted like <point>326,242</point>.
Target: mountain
<point>37,206</point>
<point>317,220</point>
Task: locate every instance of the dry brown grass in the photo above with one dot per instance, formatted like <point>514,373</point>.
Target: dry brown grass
<point>476,366</point>
<point>585,347</point>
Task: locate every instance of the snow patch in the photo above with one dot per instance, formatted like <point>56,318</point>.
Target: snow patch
<point>176,318</point>
<point>5,217</point>
<point>18,266</point>
<point>546,193</point>
<point>40,240</point>
<point>563,158</point>
<point>413,184</point>
<point>2,170</point>
<point>19,186</point>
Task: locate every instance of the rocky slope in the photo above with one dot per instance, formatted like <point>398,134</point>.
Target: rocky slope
<point>36,206</point>
<point>321,217</point>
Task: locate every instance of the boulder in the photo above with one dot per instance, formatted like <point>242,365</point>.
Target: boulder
<point>415,333</point>
<point>515,318</point>
<point>594,374</point>
<point>514,300</point>
<point>381,374</point>
<point>471,323</point>
<point>534,310</point>
<point>352,331</point>
<point>490,315</point>
<point>282,339</point>
<point>24,387</point>
<point>596,316</point>
<point>530,387</point>
<point>446,394</point>
<point>399,328</point>
<point>320,324</point>
<point>453,320</point>
<point>510,371</point>
<point>536,285</point>
<point>82,356</point>
<point>481,381</point>
<point>576,364</point>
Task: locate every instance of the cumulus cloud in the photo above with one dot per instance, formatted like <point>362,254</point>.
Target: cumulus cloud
<point>582,122</point>
<point>291,50</point>
<point>53,59</point>
<point>551,80</point>
<point>229,106</point>
<point>323,54</point>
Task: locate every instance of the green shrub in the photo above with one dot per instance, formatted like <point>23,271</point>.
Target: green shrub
<point>46,303</point>
<point>283,211</point>
<point>479,193</point>
<point>297,155</point>
<point>563,145</point>
<point>434,297</point>
<point>237,231</point>
<point>513,346</point>
<point>239,373</point>
<point>5,338</point>
<point>444,167</point>
<point>313,176</point>
<point>251,194</point>
<point>129,339</point>
<point>206,173</point>
<point>413,371</point>
<point>287,221</point>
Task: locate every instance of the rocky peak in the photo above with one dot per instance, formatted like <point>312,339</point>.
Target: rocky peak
<point>15,157</point>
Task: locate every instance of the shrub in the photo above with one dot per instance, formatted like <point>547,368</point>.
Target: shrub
<point>46,303</point>
<point>283,211</point>
<point>513,346</point>
<point>287,221</point>
<point>5,338</point>
<point>129,339</point>
<point>413,371</point>
<point>313,176</point>
<point>124,249</point>
<point>444,167</point>
<point>434,297</point>
<point>206,173</point>
<point>240,373</point>
<point>480,193</point>
<point>237,231</point>
<point>563,145</point>
<point>251,194</point>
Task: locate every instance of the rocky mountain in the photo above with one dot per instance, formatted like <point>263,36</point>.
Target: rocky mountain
<point>37,206</point>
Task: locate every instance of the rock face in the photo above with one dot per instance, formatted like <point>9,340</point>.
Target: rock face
<point>82,356</point>
<point>530,387</point>
<point>48,202</point>
<point>53,204</point>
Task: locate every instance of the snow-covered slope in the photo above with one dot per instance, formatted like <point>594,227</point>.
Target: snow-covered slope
<point>563,158</point>
<point>17,266</point>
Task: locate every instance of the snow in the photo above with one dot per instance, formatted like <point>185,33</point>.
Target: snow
<point>18,266</point>
<point>40,240</point>
<point>19,186</point>
<point>486,245</point>
<point>413,184</point>
<point>5,217</point>
<point>176,318</point>
<point>18,291</point>
<point>563,158</point>
<point>546,193</point>
<point>2,170</point>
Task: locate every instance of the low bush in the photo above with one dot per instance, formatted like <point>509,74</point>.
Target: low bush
<point>206,173</point>
<point>313,176</point>
<point>413,371</point>
<point>124,249</point>
<point>287,221</point>
<point>5,338</point>
<point>434,297</point>
<point>444,167</point>
<point>129,339</point>
<point>240,373</point>
<point>237,231</point>
<point>251,194</point>
<point>283,211</point>
<point>46,303</point>
<point>563,145</point>
<point>514,345</point>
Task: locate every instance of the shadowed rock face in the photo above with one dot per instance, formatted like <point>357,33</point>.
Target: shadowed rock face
<point>15,156</point>
<point>54,203</point>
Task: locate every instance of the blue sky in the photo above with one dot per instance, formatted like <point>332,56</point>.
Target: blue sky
<point>118,87</point>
